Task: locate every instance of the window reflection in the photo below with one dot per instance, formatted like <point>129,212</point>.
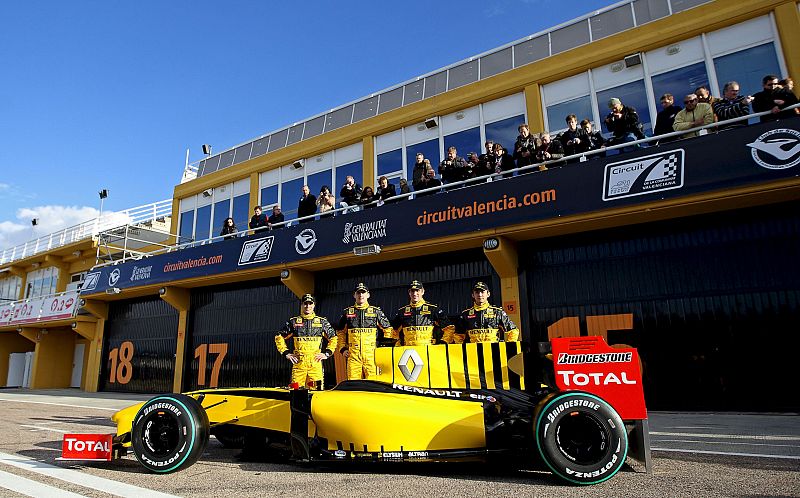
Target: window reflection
<point>679,82</point>
<point>504,131</point>
<point>221,211</point>
<point>241,211</point>
<point>390,162</point>
<point>187,223</point>
<point>747,67</point>
<point>269,195</point>
<point>557,113</point>
<point>352,169</point>
<point>290,197</point>
<point>464,142</point>
<point>317,180</point>
<point>632,95</point>
<point>429,149</point>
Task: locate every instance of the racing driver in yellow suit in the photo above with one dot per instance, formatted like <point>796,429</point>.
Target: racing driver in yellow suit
<point>421,323</point>
<point>360,328</point>
<point>484,322</point>
<point>313,340</point>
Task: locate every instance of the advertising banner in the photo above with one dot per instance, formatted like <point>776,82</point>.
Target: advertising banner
<point>745,156</point>
<point>55,307</point>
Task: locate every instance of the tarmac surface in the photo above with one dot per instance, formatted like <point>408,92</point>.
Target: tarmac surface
<point>695,454</point>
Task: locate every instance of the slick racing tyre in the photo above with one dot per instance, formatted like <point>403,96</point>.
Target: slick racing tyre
<point>581,437</point>
<point>169,433</point>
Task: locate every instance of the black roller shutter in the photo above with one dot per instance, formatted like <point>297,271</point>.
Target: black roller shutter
<point>715,302</point>
<point>240,320</point>
<point>139,346</point>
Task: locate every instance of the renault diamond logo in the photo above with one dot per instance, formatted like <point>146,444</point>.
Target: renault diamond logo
<point>413,356</point>
<point>113,277</point>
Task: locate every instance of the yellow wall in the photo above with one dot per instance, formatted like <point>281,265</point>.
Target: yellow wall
<point>52,362</point>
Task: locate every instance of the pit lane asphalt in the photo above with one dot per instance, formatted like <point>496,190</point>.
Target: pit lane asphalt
<point>701,454</point>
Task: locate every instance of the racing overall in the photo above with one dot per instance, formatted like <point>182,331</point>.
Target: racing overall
<point>484,324</point>
<point>310,334</point>
<point>421,324</point>
<point>357,331</point>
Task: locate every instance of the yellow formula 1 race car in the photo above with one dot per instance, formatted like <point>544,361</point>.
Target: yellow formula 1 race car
<point>437,403</point>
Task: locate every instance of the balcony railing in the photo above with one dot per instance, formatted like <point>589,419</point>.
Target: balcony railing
<point>57,306</point>
<point>147,213</point>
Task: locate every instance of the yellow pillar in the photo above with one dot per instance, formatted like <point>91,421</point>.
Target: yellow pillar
<point>533,106</point>
<point>299,281</point>
<point>175,224</point>
<point>787,19</point>
<point>254,192</point>
<point>368,162</point>
<point>94,358</point>
<point>179,299</point>
<point>52,358</point>
<point>505,261</point>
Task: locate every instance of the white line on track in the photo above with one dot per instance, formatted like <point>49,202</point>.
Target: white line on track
<point>42,428</point>
<point>727,436</point>
<point>62,404</point>
<point>81,479</point>
<point>731,443</point>
<point>728,453</point>
<point>27,487</point>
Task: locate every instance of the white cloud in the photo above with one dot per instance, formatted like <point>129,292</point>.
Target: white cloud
<point>51,219</point>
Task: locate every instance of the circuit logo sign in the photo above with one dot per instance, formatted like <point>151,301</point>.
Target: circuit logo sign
<point>91,281</point>
<point>256,251</point>
<point>305,241</point>
<point>643,175</point>
<point>776,149</point>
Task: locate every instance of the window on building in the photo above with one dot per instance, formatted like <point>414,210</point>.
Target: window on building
<point>354,169</point>
<point>222,211</point>
<point>317,180</point>
<point>241,211</point>
<point>75,281</point>
<point>632,95</point>
<point>290,197</point>
<point>269,196</point>
<point>390,162</point>
<point>186,226</point>
<point>747,67</point>
<point>679,82</point>
<point>504,132</point>
<point>9,289</point>
<point>41,282</point>
<point>202,226</point>
<point>464,141</point>
<point>557,113</point>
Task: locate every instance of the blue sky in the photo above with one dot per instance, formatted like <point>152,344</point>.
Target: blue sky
<point>110,94</point>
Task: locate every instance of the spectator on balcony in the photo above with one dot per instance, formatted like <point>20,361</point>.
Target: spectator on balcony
<point>623,122</point>
<point>788,84</point>
<point>368,198</point>
<point>259,220</point>
<point>704,96</point>
<point>774,98</point>
<point>503,161</point>
<point>229,228</point>
<point>485,164</point>
<point>524,147</point>
<point>732,105</point>
<point>548,150</point>
<point>423,174</point>
<point>454,168</point>
<point>695,114</point>
<point>574,139</point>
<point>326,202</point>
<point>404,188</point>
<point>595,139</point>
<point>666,118</point>
<point>307,206</point>
<point>350,194</point>
<point>276,217</point>
<point>385,190</point>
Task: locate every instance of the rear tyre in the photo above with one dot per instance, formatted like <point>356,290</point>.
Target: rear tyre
<point>581,438</point>
<point>169,433</point>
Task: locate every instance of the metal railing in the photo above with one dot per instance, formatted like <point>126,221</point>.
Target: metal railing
<point>539,167</point>
<point>147,213</point>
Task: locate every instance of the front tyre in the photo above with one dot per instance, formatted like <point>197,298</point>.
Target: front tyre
<point>169,433</point>
<point>581,438</point>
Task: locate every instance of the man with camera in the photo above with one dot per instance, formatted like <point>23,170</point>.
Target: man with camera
<point>455,168</point>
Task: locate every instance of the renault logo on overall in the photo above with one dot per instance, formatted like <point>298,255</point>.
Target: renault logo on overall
<point>413,357</point>
<point>256,251</point>
<point>643,175</point>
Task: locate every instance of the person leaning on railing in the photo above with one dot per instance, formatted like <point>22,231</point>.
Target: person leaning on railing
<point>694,114</point>
<point>259,220</point>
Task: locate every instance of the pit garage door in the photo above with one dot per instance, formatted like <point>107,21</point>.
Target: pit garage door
<point>139,346</point>
<point>712,303</point>
<point>232,335</point>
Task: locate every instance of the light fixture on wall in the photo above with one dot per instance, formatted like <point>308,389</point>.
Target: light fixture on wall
<point>633,60</point>
<point>431,123</point>
<point>77,254</point>
<point>491,243</point>
<point>162,291</point>
<point>284,273</point>
<point>297,164</point>
<point>367,250</point>
<point>113,290</point>
<point>208,192</point>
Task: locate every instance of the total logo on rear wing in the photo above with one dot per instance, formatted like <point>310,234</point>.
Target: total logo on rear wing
<point>589,364</point>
